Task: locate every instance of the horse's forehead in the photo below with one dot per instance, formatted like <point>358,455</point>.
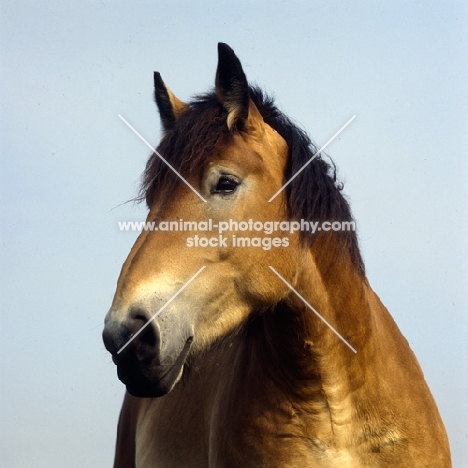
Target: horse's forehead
<point>253,152</point>
<point>240,153</point>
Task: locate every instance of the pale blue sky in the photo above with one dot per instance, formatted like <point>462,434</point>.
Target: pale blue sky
<point>68,69</point>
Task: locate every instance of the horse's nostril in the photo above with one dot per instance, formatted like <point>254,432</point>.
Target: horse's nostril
<point>144,328</point>
<point>136,338</point>
<point>136,325</point>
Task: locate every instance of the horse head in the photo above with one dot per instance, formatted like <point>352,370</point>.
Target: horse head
<point>222,146</point>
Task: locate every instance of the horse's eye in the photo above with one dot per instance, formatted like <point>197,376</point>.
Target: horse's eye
<point>226,185</point>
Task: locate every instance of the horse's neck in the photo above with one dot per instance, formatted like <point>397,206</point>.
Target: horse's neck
<point>377,395</point>
<point>312,353</point>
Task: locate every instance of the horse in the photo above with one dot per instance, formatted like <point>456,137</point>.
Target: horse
<point>256,342</point>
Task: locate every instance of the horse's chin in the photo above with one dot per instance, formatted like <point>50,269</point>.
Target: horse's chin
<point>146,382</point>
<point>160,388</point>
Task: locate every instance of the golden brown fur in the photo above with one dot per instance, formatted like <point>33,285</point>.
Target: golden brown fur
<point>265,383</point>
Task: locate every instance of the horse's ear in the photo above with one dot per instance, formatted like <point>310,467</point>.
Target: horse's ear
<point>170,107</point>
<point>232,89</point>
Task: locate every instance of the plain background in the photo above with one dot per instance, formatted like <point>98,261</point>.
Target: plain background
<point>69,164</point>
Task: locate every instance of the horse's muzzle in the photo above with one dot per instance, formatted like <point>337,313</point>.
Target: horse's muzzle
<point>135,346</point>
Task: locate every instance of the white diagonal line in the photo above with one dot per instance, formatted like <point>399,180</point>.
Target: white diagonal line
<point>312,158</point>
<point>162,159</point>
<point>313,310</point>
<point>161,309</point>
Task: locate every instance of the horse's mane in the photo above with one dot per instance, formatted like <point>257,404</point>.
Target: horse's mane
<point>314,195</point>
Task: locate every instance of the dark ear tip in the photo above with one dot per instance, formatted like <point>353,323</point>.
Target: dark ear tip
<point>157,78</point>
<point>224,49</point>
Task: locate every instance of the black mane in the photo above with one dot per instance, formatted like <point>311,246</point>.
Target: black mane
<point>314,195</point>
